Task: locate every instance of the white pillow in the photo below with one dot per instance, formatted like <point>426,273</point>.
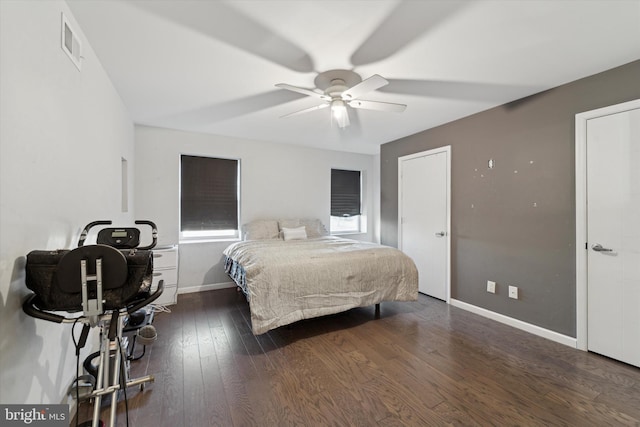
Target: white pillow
<point>298,233</point>
<point>314,227</point>
<point>261,229</point>
<point>289,223</point>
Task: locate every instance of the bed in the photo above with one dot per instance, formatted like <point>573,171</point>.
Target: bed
<point>291,270</point>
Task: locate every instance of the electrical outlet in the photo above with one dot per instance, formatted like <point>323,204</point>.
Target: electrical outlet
<point>513,292</point>
<point>491,287</point>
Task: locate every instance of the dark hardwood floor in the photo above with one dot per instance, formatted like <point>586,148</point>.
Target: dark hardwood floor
<point>422,363</point>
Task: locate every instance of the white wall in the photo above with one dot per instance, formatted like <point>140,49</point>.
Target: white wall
<point>62,138</point>
<point>277,181</point>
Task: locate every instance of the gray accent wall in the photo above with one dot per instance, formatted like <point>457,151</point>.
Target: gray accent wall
<point>513,224</point>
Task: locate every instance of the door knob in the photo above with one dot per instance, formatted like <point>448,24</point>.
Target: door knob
<point>598,248</point>
<point>441,234</point>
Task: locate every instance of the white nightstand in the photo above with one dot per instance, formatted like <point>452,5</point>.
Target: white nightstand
<point>165,267</point>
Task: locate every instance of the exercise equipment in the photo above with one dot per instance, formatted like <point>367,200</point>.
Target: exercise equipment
<point>103,286</point>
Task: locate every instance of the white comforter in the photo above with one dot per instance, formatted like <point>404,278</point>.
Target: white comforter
<point>287,281</point>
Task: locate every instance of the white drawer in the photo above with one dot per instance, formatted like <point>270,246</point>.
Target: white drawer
<point>169,296</point>
<point>166,258</point>
<point>170,277</point>
<point>165,267</point>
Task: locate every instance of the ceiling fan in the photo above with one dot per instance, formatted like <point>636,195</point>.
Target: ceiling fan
<point>341,88</point>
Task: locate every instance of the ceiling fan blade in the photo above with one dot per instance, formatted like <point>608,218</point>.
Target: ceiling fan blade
<point>302,90</point>
<point>459,90</point>
<point>367,85</point>
<point>225,22</point>
<point>378,106</point>
<point>231,109</point>
<point>408,22</point>
<point>306,110</point>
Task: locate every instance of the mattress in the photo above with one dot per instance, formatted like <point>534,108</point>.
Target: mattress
<point>287,281</point>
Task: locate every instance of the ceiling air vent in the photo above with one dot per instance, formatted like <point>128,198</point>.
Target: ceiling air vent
<point>70,42</point>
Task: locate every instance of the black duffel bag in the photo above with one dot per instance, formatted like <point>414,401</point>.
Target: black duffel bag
<point>56,292</point>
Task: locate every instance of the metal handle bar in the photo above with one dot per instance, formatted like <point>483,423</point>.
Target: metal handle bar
<point>154,234</point>
<point>85,232</point>
<point>29,307</point>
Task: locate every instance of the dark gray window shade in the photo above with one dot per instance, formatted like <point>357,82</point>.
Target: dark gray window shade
<point>345,192</point>
<point>208,194</point>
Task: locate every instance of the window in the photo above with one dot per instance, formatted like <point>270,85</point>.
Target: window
<point>209,197</point>
<point>346,204</point>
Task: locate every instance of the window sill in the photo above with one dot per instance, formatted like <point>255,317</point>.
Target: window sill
<point>346,233</point>
<point>195,241</point>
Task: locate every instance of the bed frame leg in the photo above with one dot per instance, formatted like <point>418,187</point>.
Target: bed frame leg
<point>377,315</point>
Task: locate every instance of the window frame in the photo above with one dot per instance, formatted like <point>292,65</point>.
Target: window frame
<point>359,228</point>
<point>196,236</point>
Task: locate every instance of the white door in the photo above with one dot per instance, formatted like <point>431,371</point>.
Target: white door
<point>613,235</point>
<point>424,217</point>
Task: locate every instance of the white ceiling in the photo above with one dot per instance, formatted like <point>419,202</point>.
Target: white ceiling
<point>211,65</point>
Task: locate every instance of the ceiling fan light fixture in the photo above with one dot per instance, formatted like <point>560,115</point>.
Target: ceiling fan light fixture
<point>339,112</point>
<point>341,88</point>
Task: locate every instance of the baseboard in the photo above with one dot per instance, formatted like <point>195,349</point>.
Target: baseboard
<point>519,324</point>
<point>202,288</point>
